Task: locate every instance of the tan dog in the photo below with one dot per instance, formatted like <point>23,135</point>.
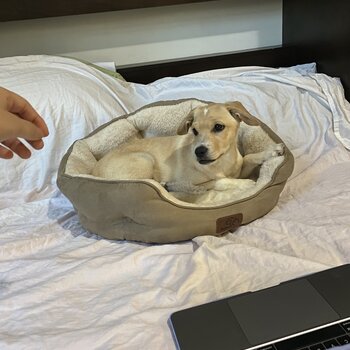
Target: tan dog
<point>204,150</point>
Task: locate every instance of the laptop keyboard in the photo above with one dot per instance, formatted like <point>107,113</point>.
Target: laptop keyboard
<point>321,339</point>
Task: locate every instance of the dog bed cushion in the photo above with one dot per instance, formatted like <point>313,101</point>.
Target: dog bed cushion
<point>143,210</point>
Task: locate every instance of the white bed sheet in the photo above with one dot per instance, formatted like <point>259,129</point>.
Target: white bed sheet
<point>63,288</point>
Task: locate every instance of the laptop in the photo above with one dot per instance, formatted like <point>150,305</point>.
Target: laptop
<point>308,313</point>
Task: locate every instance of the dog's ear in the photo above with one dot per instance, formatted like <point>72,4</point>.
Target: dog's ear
<point>238,112</point>
<point>186,123</point>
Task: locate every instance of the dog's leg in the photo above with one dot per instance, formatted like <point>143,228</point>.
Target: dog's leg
<point>254,160</point>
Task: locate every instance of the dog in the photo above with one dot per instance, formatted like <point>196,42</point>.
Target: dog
<point>204,150</point>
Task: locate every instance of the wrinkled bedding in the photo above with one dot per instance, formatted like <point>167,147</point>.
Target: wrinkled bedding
<point>64,288</point>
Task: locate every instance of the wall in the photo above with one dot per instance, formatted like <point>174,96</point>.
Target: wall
<point>147,35</point>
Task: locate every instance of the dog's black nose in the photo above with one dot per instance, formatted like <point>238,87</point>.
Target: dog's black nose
<point>201,151</point>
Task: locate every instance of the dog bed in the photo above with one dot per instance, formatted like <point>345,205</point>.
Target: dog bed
<point>143,210</point>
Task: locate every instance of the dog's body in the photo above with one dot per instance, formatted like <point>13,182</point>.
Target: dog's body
<point>204,151</point>
<point>168,160</point>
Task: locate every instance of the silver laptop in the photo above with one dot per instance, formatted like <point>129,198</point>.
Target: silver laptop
<point>308,313</point>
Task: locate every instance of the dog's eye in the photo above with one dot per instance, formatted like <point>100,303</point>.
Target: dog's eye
<point>195,132</point>
<point>218,127</point>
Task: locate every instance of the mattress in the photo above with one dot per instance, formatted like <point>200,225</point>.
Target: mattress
<point>63,287</point>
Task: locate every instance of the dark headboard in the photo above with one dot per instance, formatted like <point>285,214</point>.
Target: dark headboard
<point>269,57</point>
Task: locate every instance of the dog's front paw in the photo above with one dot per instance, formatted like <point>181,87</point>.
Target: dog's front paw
<point>278,150</point>
<point>275,150</point>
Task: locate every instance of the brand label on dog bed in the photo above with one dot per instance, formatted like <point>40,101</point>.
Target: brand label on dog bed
<point>228,223</point>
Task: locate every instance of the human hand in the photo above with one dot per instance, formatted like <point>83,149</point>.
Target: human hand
<point>18,119</point>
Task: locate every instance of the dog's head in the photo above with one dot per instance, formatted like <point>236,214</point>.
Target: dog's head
<point>214,129</point>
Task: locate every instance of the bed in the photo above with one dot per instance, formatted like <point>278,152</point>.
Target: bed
<point>62,287</point>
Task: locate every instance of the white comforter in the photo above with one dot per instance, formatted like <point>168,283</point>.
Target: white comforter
<point>63,288</point>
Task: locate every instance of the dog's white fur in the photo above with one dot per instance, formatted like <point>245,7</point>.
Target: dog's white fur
<point>204,151</point>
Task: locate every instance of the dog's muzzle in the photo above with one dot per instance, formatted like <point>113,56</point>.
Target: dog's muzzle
<point>202,153</point>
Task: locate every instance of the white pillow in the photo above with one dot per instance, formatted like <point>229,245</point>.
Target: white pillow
<point>73,98</point>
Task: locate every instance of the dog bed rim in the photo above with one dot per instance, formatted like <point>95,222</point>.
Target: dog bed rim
<point>183,206</point>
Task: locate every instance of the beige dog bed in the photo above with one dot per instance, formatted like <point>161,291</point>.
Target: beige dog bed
<point>143,210</point>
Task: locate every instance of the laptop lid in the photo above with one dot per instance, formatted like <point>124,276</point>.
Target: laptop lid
<point>255,319</point>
